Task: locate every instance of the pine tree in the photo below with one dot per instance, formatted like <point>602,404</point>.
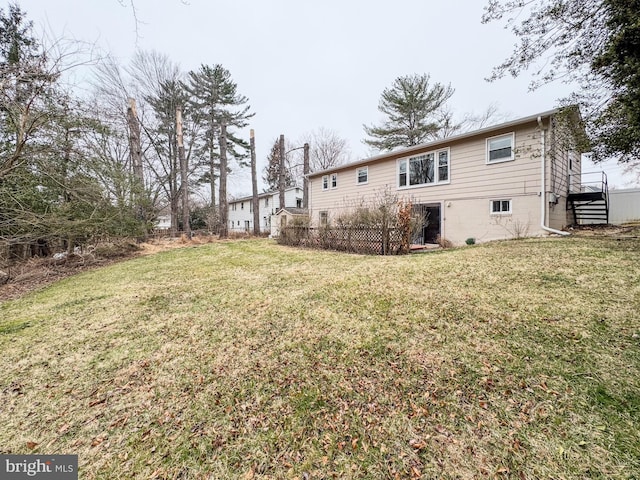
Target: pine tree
<point>414,113</point>
<point>271,174</point>
<point>215,100</point>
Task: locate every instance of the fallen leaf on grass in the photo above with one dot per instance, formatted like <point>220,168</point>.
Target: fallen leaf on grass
<point>32,445</point>
<point>97,402</point>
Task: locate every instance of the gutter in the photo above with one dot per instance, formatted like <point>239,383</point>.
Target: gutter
<point>436,143</point>
<point>543,193</point>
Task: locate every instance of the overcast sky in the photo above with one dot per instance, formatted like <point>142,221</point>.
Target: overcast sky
<point>307,64</point>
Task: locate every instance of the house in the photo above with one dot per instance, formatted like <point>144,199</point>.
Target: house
<point>241,209</point>
<point>504,181</point>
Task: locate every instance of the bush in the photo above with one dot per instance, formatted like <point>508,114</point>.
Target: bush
<point>470,241</point>
<point>443,242</point>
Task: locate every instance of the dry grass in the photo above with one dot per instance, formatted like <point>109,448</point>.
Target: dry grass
<point>246,359</point>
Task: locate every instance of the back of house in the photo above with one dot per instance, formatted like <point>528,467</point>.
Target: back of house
<point>506,181</point>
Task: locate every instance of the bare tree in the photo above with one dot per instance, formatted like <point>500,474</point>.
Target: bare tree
<point>327,149</point>
<point>470,121</point>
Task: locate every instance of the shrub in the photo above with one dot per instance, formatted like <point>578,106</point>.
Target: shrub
<point>443,242</point>
<point>470,241</point>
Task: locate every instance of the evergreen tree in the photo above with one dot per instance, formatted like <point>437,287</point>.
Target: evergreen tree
<point>617,129</point>
<point>215,100</point>
<point>414,113</point>
<point>271,174</point>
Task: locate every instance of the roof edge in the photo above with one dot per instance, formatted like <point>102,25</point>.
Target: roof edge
<point>453,138</point>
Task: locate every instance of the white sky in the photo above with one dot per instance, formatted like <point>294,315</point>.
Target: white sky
<point>306,64</point>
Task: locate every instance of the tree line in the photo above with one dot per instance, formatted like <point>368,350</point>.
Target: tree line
<point>74,167</point>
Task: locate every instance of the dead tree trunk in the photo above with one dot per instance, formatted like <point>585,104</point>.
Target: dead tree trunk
<point>305,179</point>
<point>184,175</point>
<point>223,202</point>
<point>254,185</point>
<point>281,172</point>
<point>135,154</point>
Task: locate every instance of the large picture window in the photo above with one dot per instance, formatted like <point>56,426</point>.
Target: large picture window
<point>423,170</point>
<point>500,149</point>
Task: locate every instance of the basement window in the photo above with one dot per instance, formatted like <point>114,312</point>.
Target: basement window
<point>500,207</point>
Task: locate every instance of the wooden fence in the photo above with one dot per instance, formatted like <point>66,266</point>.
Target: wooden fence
<point>364,240</point>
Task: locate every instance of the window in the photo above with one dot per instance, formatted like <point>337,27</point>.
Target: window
<point>298,203</point>
<point>362,175</point>
<point>266,202</point>
<point>421,169</point>
<point>443,166</point>
<point>324,217</point>
<point>500,149</point>
<point>334,180</point>
<point>325,182</point>
<point>247,225</point>
<point>402,173</point>
<point>500,206</point>
<point>233,207</point>
<point>242,206</point>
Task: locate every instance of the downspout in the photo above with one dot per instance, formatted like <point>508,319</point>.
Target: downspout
<point>543,193</point>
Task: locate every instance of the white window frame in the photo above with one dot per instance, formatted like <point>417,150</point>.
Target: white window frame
<point>325,182</point>
<point>323,217</point>
<point>512,137</point>
<point>366,175</point>
<point>437,166</point>
<point>334,180</point>
<point>501,211</point>
<point>436,169</point>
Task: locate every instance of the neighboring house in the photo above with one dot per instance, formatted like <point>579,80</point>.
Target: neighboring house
<point>163,220</point>
<point>504,181</point>
<point>241,209</point>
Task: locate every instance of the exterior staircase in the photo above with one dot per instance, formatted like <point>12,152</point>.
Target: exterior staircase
<point>589,204</point>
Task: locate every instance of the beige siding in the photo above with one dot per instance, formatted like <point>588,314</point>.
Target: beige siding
<point>465,200</point>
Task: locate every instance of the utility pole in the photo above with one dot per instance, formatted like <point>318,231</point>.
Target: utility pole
<point>184,172</point>
<point>254,184</point>
<point>135,154</point>
<point>223,202</point>
<point>305,179</point>
<point>281,177</point>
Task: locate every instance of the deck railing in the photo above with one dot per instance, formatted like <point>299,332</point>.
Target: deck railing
<point>587,182</point>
